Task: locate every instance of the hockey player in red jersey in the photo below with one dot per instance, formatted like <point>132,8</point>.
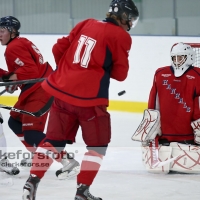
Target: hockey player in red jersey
<point>94,52</point>
<point>24,61</point>
<point>175,96</point>
<point>175,93</point>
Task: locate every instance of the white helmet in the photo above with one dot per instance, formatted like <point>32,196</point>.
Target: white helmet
<point>188,58</point>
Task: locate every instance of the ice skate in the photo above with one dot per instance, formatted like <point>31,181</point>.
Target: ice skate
<point>70,168</point>
<point>84,194</point>
<point>26,163</point>
<point>30,188</point>
<point>6,166</point>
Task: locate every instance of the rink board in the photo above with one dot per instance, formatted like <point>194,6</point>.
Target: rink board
<point>123,106</point>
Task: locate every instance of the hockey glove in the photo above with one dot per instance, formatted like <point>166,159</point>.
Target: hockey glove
<point>196,127</point>
<point>11,88</point>
<point>149,127</point>
<point>6,77</point>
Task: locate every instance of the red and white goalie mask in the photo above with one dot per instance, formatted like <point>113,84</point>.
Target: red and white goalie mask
<point>182,57</point>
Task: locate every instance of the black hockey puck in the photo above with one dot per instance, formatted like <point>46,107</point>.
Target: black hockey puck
<point>121,93</point>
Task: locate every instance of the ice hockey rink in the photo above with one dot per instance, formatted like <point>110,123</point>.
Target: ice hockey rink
<point>122,175</point>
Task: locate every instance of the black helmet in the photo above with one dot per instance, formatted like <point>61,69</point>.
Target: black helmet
<point>125,10</point>
<point>10,23</point>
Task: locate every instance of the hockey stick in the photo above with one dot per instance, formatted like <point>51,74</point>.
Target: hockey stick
<point>154,156</point>
<point>22,82</point>
<point>38,113</point>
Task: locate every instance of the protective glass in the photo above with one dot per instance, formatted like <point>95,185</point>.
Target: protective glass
<point>134,21</point>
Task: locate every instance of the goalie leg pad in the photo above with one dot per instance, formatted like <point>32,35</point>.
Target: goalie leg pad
<point>188,160</point>
<point>196,127</point>
<point>149,127</point>
<point>164,153</point>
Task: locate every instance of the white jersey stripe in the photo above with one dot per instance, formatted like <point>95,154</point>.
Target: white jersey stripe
<point>95,159</point>
<point>21,138</point>
<point>46,152</point>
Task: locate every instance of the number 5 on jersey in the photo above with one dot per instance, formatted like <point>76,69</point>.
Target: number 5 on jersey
<point>88,43</point>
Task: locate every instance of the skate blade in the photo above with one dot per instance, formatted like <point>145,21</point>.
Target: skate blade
<point>78,198</point>
<point>66,175</point>
<point>26,195</point>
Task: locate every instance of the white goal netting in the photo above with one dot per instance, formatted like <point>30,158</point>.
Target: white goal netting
<point>196,47</point>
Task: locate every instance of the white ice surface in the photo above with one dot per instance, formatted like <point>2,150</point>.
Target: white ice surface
<point>122,175</point>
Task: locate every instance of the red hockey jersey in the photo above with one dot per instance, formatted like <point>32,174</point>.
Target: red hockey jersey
<point>178,100</point>
<point>94,52</point>
<point>24,59</point>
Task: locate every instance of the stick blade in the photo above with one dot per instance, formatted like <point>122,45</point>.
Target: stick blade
<point>45,109</point>
<point>160,164</point>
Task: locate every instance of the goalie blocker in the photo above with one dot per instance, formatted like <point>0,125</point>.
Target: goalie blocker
<point>149,128</point>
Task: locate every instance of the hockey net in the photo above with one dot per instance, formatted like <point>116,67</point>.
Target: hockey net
<point>196,48</point>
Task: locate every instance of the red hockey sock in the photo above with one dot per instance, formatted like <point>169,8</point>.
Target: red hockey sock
<point>89,167</point>
<point>43,159</point>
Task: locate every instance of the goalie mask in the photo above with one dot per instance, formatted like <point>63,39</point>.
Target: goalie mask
<point>12,24</point>
<point>182,57</point>
<point>125,10</point>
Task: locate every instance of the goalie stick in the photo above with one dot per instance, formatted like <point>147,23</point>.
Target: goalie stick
<point>38,113</point>
<point>155,162</point>
<point>22,82</point>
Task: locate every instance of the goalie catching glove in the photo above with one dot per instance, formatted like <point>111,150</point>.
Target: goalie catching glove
<point>149,128</point>
<point>196,127</point>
